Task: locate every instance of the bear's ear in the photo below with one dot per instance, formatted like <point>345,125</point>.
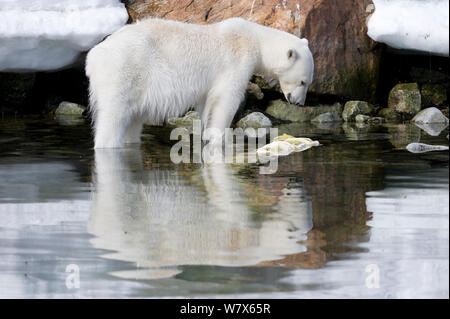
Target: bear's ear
<point>305,41</point>
<point>291,54</point>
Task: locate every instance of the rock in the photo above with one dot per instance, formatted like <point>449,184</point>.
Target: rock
<point>389,115</point>
<point>354,108</point>
<point>69,108</point>
<point>405,99</point>
<point>430,115</point>
<point>433,95</point>
<point>346,59</point>
<point>422,148</point>
<point>327,118</point>
<point>362,118</point>
<point>285,111</point>
<point>254,120</point>
<point>186,121</point>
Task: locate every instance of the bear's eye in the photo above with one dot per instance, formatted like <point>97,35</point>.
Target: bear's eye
<point>302,83</point>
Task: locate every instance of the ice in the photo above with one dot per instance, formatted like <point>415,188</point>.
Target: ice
<point>421,25</point>
<point>43,35</point>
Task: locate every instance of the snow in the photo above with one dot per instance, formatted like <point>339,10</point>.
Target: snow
<point>43,35</point>
<point>421,25</point>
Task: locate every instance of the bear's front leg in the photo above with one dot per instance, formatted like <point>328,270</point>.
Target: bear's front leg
<point>110,129</point>
<point>220,108</point>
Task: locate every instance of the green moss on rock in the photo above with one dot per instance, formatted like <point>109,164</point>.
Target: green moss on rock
<point>405,99</point>
<point>68,108</point>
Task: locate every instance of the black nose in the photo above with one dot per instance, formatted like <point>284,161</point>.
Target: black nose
<point>288,97</point>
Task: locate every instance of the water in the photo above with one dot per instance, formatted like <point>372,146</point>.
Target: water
<point>358,216</point>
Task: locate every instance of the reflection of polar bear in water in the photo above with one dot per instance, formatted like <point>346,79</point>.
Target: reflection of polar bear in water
<point>158,218</point>
<point>156,69</point>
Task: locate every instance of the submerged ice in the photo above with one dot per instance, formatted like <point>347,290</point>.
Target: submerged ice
<point>421,25</point>
<point>42,35</point>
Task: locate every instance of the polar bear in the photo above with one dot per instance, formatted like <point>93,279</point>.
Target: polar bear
<point>155,69</point>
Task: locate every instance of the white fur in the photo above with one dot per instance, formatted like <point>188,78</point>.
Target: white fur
<point>156,69</point>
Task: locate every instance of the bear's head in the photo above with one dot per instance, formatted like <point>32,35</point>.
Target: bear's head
<point>297,72</point>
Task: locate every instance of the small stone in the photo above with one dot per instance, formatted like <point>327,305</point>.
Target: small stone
<point>430,115</point>
<point>186,121</point>
<point>368,120</point>
<point>362,118</point>
<point>405,98</point>
<point>68,108</point>
<point>354,108</point>
<point>254,120</point>
<point>328,117</point>
<point>433,95</point>
<point>376,120</point>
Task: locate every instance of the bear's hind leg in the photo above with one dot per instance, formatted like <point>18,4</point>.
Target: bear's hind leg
<point>110,129</point>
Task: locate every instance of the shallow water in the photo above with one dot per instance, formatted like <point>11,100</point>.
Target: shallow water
<point>359,216</point>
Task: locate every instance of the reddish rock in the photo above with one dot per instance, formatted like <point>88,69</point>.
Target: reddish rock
<point>346,59</point>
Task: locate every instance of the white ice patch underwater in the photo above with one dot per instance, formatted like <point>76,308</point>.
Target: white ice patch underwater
<point>421,25</point>
<point>44,35</point>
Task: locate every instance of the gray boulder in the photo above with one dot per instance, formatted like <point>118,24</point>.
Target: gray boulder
<point>430,115</point>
